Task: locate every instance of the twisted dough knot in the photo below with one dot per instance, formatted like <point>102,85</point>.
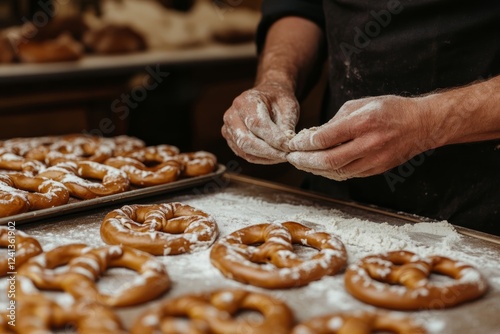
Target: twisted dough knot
<point>77,177</point>
<point>400,280</point>
<point>197,163</point>
<point>84,266</point>
<point>160,229</point>
<point>144,176</point>
<point>39,314</point>
<point>359,323</point>
<point>263,255</point>
<point>25,248</point>
<point>12,162</point>
<point>38,192</point>
<point>215,313</point>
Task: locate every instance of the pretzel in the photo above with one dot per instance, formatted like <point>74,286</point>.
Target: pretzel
<point>215,312</point>
<point>25,247</point>
<point>359,323</point>
<point>74,176</point>
<point>41,193</point>
<point>273,264</point>
<point>85,265</point>
<point>160,229</point>
<point>197,163</point>
<point>141,175</point>
<point>13,162</point>
<point>153,154</point>
<point>125,144</point>
<point>37,314</point>
<point>400,280</point>
<point>79,148</point>
<point>11,201</point>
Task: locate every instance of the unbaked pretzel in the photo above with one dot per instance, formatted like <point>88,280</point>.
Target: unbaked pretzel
<point>77,176</point>
<point>359,323</point>
<point>40,192</point>
<point>160,229</point>
<point>144,176</point>
<point>215,313</point>
<point>25,248</point>
<point>85,265</point>
<point>37,314</point>
<point>273,264</point>
<point>400,280</point>
<point>197,163</point>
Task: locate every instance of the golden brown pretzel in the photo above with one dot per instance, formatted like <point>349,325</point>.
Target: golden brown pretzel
<point>11,201</point>
<point>144,176</point>
<point>41,192</point>
<point>75,175</point>
<point>197,163</point>
<point>153,154</point>
<point>214,313</point>
<point>237,257</point>
<point>160,229</point>
<point>78,147</point>
<point>37,314</point>
<point>400,280</point>
<point>13,162</point>
<point>125,144</point>
<point>359,323</point>
<point>85,265</point>
<point>25,247</point>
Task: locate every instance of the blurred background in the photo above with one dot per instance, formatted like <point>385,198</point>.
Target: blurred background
<point>164,71</point>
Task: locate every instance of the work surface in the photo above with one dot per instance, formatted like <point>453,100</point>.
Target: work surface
<point>237,201</point>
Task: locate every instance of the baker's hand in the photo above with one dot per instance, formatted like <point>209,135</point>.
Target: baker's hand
<point>367,137</point>
<point>260,123</point>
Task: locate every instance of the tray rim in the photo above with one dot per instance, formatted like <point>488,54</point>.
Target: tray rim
<point>410,218</point>
<point>89,204</point>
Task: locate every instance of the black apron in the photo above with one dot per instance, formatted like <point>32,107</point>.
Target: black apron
<point>409,48</point>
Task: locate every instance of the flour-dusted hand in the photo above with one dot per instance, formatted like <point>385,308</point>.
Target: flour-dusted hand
<point>260,123</point>
<point>367,137</point>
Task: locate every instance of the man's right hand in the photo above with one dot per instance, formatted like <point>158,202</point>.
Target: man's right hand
<point>260,123</point>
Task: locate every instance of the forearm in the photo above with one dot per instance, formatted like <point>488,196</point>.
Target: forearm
<point>292,55</point>
<point>465,114</point>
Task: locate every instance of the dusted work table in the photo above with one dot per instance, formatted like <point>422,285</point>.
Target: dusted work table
<point>236,201</point>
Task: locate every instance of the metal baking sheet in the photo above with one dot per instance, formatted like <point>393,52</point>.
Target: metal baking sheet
<point>76,205</point>
<point>234,196</point>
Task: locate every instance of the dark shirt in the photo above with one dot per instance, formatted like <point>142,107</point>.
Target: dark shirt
<point>410,48</point>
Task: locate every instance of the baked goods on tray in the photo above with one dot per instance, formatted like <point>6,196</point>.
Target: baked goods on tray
<point>216,312</point>
<point>400,280</point>
<point>160,229</point>
<point>83,266</point>
<point>45,172</point>
<point>263,255</point>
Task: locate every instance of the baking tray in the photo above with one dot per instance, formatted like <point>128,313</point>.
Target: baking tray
<point>232,197</point>
<point>76,205</point>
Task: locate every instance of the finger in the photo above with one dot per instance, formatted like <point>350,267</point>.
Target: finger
<point>251,148</point>
<point>286,115</point>
<point>319,138</point>
<point>330,159</point>
<point>262,126</point>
